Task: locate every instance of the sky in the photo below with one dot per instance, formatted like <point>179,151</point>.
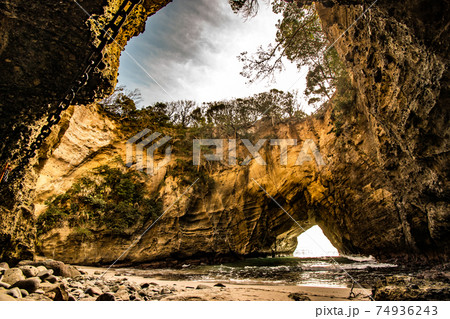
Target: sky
<point>189,51</point>
<point>313,243</point>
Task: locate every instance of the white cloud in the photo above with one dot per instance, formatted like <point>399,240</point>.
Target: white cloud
<point>190,48</point>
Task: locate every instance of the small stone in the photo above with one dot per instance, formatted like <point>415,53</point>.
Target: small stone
<point>165,291</point>
<point>97,273</point>
<point>299,297</point>
<point>39,291</point>
<point>29,271</point>
<point>93,291</point>
<point>31,284</point>
<point>14,292</point>
<point>51,279</point>
<point>219,285</point>
<point>4,265</point>
<point>41,268</point>
<point>58,293</point>
<point>13,275</point>
<point>122,294</point>
<point>145,285</point>
<point>106,297</point>
<point>24,292</point>
<point>45,273</point>
<point>201,286</point>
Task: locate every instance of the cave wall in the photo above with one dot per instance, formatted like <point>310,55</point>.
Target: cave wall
<point>398,60</point>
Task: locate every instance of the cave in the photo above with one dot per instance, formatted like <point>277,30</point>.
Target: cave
<point>383,191</point>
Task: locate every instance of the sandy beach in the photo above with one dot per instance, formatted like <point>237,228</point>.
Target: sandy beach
<point>207,291</point>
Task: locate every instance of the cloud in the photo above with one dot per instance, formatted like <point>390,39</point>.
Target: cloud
<point>190,49</point>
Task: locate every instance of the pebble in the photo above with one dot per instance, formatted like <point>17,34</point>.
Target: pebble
<point>24,292</point>
<point>106,297</point>
<point>51,279</point>
<point>165,291</point>
<point>41,268</point>
<point>45,273</point>
<point>220,285</point>
<point>93,291</point>
<point>201,286</point>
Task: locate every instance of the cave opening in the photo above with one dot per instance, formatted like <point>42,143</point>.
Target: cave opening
<point>314,243</point>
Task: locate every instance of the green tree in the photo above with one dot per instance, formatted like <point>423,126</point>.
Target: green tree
<point>122,102</point>
<point>301,40</point>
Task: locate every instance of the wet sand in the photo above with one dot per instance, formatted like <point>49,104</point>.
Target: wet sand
<point>187,290</point>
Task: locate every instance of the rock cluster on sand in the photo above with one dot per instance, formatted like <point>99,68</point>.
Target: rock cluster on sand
<point>428,285</point>
<point>53,280</point>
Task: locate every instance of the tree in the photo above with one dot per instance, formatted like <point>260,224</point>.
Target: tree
<point>301,40</point>
<point>122,102</point>
<point>180,112</point>
<point>247,8</point>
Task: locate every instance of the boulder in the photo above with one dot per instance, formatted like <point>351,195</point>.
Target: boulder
<point>59,268</point>
<point>13,275</point>
<point>31,284</point>
<point>106,297</point>
<point>29,271</point>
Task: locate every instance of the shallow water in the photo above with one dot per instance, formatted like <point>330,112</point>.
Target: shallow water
<point>322,271</point>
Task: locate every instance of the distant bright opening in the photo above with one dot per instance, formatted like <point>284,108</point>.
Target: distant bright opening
<point>313,243</point>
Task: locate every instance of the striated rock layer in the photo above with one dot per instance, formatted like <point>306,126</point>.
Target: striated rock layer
<point>384,189</point>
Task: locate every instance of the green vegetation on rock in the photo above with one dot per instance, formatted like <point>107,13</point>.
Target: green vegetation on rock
<point>111,199</point>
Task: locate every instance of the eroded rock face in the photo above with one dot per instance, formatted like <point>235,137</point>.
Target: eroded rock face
<point>43,48</point>
<point>383,191</point>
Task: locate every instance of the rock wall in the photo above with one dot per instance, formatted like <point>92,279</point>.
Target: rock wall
<point>43,48</point>
<point>384,190</point>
